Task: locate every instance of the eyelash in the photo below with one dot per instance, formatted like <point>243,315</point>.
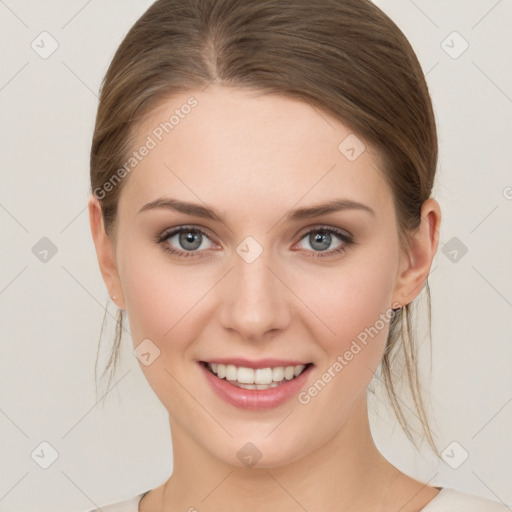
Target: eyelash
<point>347,241</point>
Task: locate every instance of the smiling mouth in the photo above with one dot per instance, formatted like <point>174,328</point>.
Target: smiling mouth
<point>260,378</point>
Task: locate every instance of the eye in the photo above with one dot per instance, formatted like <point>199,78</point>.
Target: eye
<point>321,238</point>
<point>187,239</point>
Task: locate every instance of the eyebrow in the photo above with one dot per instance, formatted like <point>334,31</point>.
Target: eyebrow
<point>298,214</point>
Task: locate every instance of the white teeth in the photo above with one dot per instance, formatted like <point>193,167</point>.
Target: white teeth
<point>298,369</point>
<point>247,386</point>
<point>243,375</point>
<point>278,374</point>
<point>260,378</point>
<point>256,386</point>
<point>289,372</point>
<point>231,372</point>
<point>262,375</point>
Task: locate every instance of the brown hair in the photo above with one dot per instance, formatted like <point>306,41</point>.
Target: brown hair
<point>343,56</point>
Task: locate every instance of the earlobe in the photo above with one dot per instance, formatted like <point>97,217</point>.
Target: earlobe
<point>104,251</point>
<point>417,263</point>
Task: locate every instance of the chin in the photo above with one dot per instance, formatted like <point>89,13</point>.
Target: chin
<point>255,452</point>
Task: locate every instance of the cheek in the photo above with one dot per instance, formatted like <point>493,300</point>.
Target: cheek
<point>352,311</point>
<point>161,296</point>
<point>163,304</point>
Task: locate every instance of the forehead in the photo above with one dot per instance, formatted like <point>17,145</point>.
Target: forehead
<point>226,145</point>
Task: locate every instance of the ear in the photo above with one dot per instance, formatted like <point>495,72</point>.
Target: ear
<point>105,252</point>
<point>416,262</point>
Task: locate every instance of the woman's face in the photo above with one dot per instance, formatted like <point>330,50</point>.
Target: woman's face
<point>262,283</point>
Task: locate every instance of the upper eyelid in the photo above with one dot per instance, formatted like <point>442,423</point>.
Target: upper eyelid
<point>180,229</point>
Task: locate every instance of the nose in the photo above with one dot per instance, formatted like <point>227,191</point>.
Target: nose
<point>255,300</point>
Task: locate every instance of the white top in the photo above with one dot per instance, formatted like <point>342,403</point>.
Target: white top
<point>448,500</point>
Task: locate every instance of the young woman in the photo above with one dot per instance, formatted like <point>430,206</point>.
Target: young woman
<point>261,174</point>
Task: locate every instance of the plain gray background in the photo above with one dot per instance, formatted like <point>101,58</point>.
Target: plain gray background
<point>51,311</point>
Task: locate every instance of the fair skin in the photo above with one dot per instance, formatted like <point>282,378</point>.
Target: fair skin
<point>253,158</point>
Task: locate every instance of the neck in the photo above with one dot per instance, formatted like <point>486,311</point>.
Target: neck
<point>345,473</point>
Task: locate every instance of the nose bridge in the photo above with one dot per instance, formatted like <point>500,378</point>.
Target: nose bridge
<point>257,300</point>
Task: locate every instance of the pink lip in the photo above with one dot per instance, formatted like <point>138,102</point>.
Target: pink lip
<point>255,399</point>
<point>260,363</point>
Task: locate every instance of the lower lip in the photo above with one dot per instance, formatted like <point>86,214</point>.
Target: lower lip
<point>255,398</point>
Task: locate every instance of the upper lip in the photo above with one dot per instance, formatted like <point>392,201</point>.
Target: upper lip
<point>260,363</point>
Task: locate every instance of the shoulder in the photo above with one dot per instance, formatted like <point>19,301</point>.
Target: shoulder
<point>452,500</point>
<point>129,505</point>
